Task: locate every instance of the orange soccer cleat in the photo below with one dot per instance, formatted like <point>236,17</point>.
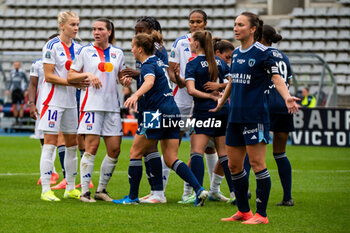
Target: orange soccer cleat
<point>257,219</point>
<point>239,216</point>
<point>60,185</point>
<point>91,185</point>
<point>54,178</point>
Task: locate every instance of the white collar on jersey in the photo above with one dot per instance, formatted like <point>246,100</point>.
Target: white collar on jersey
<point>246,50</point>
<point>148,58</point>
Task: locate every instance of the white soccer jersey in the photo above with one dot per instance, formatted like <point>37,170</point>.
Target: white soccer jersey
<point>88,60</point>
<point>181,53</point>
<point>55,52</point>
<point>38,71</point>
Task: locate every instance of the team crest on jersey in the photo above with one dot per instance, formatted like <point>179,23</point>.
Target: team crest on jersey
<point>89,126</point>
<point>48,55</point>
<point>51,124</point>
<point>94,55</point>
<point>113,55</point>
<point>62,54</point>
<point>251,62</point>
<point>172,54</point>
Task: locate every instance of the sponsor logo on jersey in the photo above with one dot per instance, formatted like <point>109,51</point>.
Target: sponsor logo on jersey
<point>113,55</point>
<point>94,55</point>
<point>241,61</point>
<point>89,126</point>
<point>48,55</point>
<point>152,119</point>
<point>187,50</point>
<point>51,124</point>
<point>251,62</point>
<point>62,54</point>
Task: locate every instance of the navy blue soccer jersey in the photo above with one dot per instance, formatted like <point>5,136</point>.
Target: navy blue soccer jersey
<point>250,74</point>
<point>160,96</point>
<point>197,71</point>
<point>276,102</point>
<point>161,53</point>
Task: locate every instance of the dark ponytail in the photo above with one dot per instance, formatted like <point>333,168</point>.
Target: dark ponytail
<point>270,35</point>
<point>255,22</point>
<point>206,42</point>
<point>110,27</point>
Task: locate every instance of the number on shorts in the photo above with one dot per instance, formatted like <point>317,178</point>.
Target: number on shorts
<point>52,115</point>
<point>88,115</point>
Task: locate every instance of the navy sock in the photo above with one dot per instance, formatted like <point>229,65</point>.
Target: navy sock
<point>135,175</point>
<point>263,186</point>
<point>61,152</point>
<point>197,167</point>
<point>247,166</point>
<point>285,173</point>
<point>224,164</point>
<point>241,185</point>
<point>148,171</point>
<point>186,174</point>
<point>155,171</point>
<point>82,153</point>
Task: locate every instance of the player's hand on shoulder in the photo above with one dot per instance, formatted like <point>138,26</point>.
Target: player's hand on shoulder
<point>125,80</point>
<point>130,72</point>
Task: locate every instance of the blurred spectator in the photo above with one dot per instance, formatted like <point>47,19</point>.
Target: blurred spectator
<point>309,100</point>
<point>18,89</point>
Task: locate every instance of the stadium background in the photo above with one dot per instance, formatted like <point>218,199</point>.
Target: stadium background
<point>317,30</point>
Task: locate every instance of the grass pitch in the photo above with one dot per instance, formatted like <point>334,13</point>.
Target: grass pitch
<point>321,191</point>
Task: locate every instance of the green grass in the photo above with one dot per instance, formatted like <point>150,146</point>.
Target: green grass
<point>321,191</point>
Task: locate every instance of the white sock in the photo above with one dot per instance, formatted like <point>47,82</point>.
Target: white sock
<point>46,166</point>
<point>187,190</point>
<point>166,172</point>
<point>211,160</point>
<point>71,166</point>
<point>215,183</point>
<point>86,169</point>
<point>53,161</point>
<point>107,169</point>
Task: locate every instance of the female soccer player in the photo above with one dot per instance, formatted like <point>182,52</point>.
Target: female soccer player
<point>202,69</point>
<point>281,121</point>
<point>59,105</point>
<point>248,124</point>
<point>158,103</point>
<point>100,64</point>
<point>179,56</point>
<point>153,162</point>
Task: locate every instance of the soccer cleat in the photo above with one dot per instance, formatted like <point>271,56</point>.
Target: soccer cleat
<point>290,202</point>
<point>145,197</point>
<point>232,201</point>
<point>54,178</point>
<point>188,200</point>
<point>201,196</point>
<point>154,199</point>
<point>239,216</point>
<point>74,194</point>
<point>103,196</point>
<point>91,185</point>
<point>127,201</point>
<point>257,219</point>
<point>49,196</point>
<point>86,197</point>
<point>217,196</point>
<point>39,182</point>
<point>60,185</point>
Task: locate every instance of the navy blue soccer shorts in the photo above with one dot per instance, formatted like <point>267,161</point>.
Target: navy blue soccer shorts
<point>238,134</point>
<point>281,123</point>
